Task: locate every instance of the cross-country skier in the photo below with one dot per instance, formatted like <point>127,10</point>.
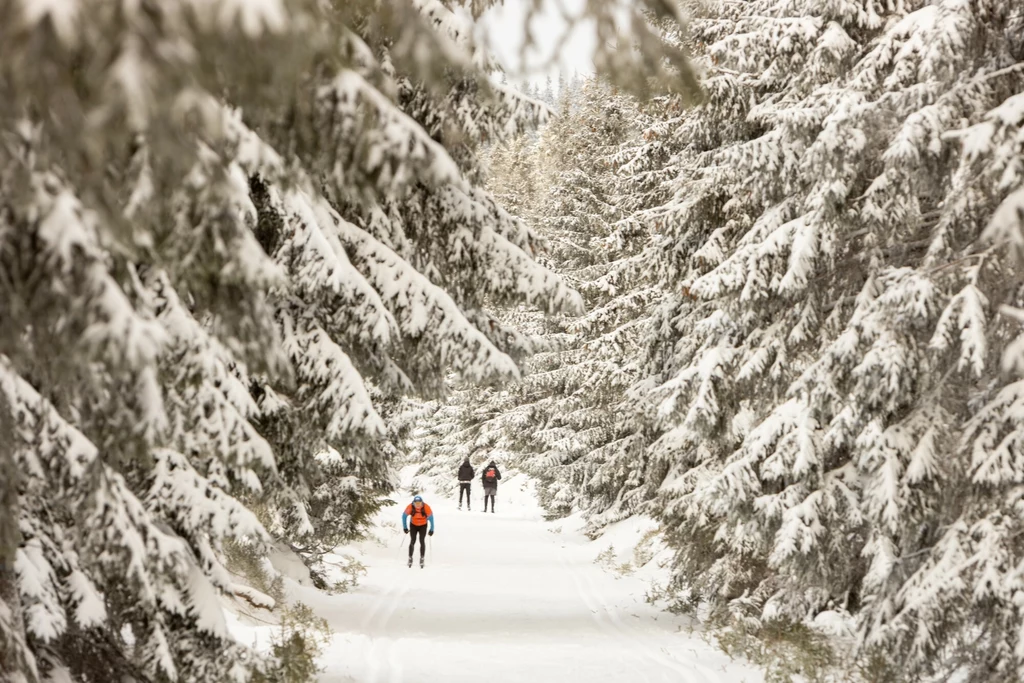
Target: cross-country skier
<point>490,477</point>
<point>421,516</point>
<point>466,474</point>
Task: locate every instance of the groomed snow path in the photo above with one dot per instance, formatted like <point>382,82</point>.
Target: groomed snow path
<point>505,597</point>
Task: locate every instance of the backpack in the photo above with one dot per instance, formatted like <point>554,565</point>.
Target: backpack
<point>489,473</point>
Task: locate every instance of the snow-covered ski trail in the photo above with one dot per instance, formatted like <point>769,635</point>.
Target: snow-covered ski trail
<point>504,597</point>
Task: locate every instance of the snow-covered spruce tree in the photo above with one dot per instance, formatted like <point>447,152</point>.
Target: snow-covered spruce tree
<point>231,234</point>
<point>836,428</point>
<point>605,472</point>
<point>569,421</point>
<point>604,162</point>
<point>578,395</point>
<point>512,175</point>
<point>469,420</point>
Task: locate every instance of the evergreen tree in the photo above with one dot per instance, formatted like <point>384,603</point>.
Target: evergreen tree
<point>231,235</point>
<point>548,94</point>
<point>512,175</point>
<point>841,253</point>
<point>569,420</point>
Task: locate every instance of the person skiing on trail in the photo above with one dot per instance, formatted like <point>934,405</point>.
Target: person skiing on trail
<point>466,474</point>
<point>421,516</point>
<point>490,477</point>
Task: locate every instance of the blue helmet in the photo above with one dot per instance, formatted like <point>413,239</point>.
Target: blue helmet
<point>417,499</point>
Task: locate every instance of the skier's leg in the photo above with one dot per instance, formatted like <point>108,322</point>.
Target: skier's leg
<point>412,540</point>
<point>422,531</point>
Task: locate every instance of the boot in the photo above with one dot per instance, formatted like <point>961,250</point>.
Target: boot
<point>421,562</point>
<point>410,561</point>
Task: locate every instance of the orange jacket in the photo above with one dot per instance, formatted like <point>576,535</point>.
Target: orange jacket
<point>419,517</point>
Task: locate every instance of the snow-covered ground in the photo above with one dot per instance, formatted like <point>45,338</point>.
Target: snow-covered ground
<point>505,597</point>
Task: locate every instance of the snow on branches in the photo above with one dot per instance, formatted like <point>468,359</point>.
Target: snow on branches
<point>232,236</point>
<point>842,240</point>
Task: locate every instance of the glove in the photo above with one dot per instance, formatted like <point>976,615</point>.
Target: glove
<point>405,530</point>
<point>430,533</point>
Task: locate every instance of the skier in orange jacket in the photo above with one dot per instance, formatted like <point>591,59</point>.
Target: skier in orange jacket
<point>421,515</point>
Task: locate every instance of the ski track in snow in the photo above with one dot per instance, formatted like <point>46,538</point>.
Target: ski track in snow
<point>608,616</point>
<point>376,626</point>
<point>508,598</point>
<point>597,613</point>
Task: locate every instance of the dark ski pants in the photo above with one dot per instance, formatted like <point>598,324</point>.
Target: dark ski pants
<point>489,493</point>
<point>420,531</point>
<point>464,488</point>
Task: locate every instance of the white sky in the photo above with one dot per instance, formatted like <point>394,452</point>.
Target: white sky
<point>502,30</point>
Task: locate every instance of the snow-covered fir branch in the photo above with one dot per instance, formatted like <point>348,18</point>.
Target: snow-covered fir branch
<point>825,376</point>
<point>232,237</point>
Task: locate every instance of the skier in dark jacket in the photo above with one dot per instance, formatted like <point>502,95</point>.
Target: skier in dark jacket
<point>466,474</point>
<point>490,478</point>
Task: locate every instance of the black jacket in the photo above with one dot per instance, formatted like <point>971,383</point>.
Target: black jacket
<point>497,475</point>
<point>466,472</point>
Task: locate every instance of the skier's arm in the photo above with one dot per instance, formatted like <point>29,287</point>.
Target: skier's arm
<point>430,519</point>
<point>405,521</point>
<point>497,473</point>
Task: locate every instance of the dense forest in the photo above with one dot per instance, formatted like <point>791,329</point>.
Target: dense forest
<point>759,279</point>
